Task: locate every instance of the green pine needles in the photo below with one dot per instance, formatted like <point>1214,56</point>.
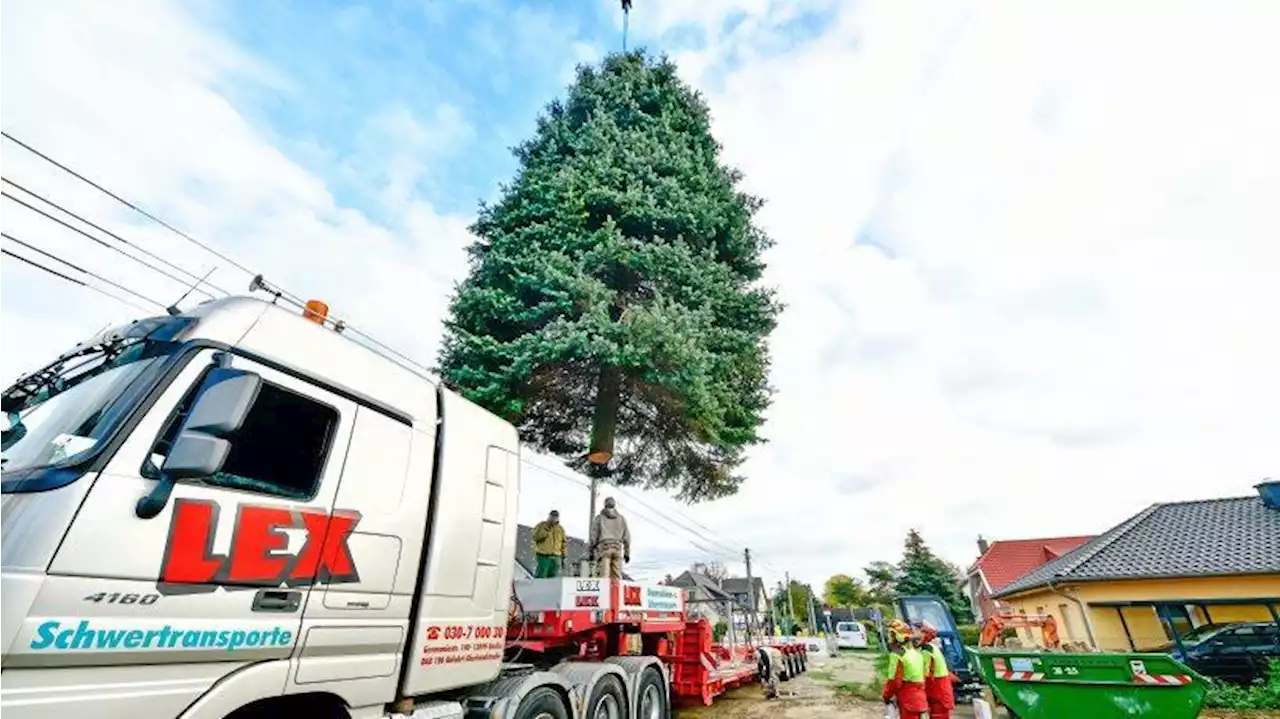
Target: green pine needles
<point>613,307</point>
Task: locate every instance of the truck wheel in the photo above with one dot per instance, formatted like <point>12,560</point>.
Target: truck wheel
<point>654,697</point>
<point>542,703</point>
<point>608,700</point>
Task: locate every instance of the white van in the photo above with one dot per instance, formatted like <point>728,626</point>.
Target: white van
<point>851,635</point>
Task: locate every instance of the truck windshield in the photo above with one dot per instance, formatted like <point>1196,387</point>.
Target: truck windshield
<point>59,415</point>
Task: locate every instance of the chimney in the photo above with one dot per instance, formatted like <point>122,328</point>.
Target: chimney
<point>1269,490</point>
<point>982,546</point>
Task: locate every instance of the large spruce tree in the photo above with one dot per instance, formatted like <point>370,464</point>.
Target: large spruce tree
<point>923,572</point>
<point>613,310</point>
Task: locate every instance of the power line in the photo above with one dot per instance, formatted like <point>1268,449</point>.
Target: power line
<point>638,500</point>
<point>182,234</point>
<point>126,203</point>
<point>643,516</point>
<point>78,269</point>
<point>103,230</point>
<point>72,280</point>
<point>722,552</point>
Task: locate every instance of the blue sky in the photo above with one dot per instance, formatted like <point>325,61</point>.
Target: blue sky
<point>1024,247</point>
<point>475,74</point>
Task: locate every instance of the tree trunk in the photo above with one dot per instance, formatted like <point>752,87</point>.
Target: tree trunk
<point>604,425</point>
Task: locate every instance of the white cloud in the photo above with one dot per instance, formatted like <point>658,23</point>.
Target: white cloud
<point>1076,317</point>
<point>1067,311</point>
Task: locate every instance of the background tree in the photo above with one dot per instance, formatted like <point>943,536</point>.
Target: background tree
<point>714,569</point>
<point>923,572</point>
<point>801,594</point>
<point>612,310</point>
<point>843,591</point>
<point>882,580</point>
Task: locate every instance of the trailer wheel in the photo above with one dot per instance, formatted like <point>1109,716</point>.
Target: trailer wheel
<point>804,662</point>
<point>542,703</point>
<point>653,702</point>
<point>608,700</point>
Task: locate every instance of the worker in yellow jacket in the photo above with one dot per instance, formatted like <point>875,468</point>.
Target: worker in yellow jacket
<point>548,546</point>
<point>905,685</point>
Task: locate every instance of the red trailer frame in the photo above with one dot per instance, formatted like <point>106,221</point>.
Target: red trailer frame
<point>609,619</point>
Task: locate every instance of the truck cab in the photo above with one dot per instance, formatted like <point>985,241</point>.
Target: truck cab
<point>215,510</point>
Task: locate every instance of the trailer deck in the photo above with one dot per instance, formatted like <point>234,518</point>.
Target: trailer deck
<point>599,618</point>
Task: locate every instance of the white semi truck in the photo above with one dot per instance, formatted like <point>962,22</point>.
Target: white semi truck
<point>236,511</point>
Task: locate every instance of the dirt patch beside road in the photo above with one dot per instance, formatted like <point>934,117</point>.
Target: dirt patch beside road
<point>827,691</point>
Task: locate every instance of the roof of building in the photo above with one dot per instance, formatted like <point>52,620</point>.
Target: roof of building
<point>575,550</point>
<point>738,585</point>
<point>1215,537</point>
<point>1007,560</point>
<point>704,584</point>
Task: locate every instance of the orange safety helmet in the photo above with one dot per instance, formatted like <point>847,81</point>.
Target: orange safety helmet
<point>899,631</point>
<point>927,632</point>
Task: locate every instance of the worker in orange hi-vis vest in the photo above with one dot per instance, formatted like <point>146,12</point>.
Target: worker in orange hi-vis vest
<point>906,674</point>
<point>938,679</point>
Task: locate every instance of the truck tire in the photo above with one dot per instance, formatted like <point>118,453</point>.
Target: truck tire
<point>653,697</point>
<point>608,700</point>
<point>542,703</point>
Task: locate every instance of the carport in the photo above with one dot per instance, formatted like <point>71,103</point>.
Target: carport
<point>1177,616</point>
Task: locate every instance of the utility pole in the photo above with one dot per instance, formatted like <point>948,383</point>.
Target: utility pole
<point>751,582</point>
<point>813,619</point>
<point>791,602</point>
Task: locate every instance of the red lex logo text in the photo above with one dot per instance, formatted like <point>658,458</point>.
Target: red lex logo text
<point>258,555</point>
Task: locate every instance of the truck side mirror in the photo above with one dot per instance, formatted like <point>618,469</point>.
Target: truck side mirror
<point>221,405</point>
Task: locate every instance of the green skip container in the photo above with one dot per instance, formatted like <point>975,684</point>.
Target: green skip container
<point>1066,685</point>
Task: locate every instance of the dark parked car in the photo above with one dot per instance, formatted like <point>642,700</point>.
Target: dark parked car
<point>1238,653</point>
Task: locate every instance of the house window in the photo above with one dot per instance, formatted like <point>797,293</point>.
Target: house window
<point>1068,627</point>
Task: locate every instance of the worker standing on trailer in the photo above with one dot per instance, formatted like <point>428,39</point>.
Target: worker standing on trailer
<point>548,546</point>
<point>937,676</point>
<point>906,674</point>
<point>610,541</point>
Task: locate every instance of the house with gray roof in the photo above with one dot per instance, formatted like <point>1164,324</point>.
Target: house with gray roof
<point>1161,573</point>
<point>740,590</point>
<point>704,596</point>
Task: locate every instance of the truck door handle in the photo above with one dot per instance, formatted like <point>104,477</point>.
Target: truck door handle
<point>276,600</point>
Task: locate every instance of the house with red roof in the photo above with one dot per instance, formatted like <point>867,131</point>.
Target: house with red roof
<point>1000,563</point>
